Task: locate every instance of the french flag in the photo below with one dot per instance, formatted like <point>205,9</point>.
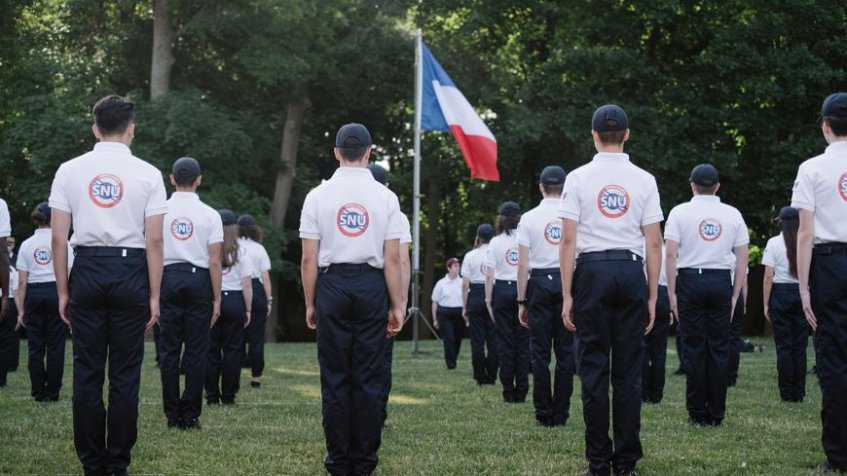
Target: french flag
<point>445,108</point>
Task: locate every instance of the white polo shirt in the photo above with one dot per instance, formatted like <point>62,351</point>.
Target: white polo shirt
<point>473,265</point>
<point>14,281</point>
<point>821,187</point>
<point>5,221</point>
<point>540,230</point>
<point>448,292</point>
<point>407,235</point>
<point>352,215</point>
<point>231,277</point>
<point>776,256</point>
<point>612,199</point>
<point>502,256</point>
<point>190,226</point>
<point>257,256</point>
<point>35,256</point>
<point>707,231</point>
<point>108,193</point>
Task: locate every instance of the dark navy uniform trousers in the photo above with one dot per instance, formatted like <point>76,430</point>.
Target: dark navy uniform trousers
<point>828,287</point>
<point>46,334</point>
<point>549,336</point>
<point>109,306</point>
<point>452,326</point>
<point>791,336</point>
<point>655,355</point>
<point>512,342</point>
<point>223,360</point>
<point>483,336</point>
<point>254,337</point>
<point>735,341</point>
<point>186,311</point>
<point>704,299</point>
<point>351,310</point>
<point>610,314</point>
<point>8,341</point>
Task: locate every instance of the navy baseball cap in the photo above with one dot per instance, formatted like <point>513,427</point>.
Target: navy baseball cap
<point>44,209</point>
<point>609,118</point>
<point>379,173</point>
<point>352,136</point>
<point>705,175</point>
<point>227,217</point>
<point>835,105</point>
<point>246,220</point>
<point>186,168</point>
<point>552,175</point>
<point>485,231</point>
<point>788,214</point>
<point>510,209</point>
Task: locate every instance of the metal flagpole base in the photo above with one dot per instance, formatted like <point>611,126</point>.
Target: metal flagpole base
<point>417,316</point>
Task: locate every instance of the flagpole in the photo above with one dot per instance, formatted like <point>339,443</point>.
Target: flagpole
<point>416,192</point>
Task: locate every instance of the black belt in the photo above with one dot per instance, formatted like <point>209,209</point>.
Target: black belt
<point>111,251</point>
<point>608,255</point>
<point>692,271</point>
<point>830,248</point>
<point>544,271</point>
<point>788,286</point>
<point>48,284</point>
<point>504,281</point>
<point>185,267</point>
<point>476,285</point>
<point>348,268</point>
<point>227,293</point>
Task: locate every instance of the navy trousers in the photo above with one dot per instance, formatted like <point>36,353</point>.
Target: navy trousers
<point>512,342</point>
<point>46,334</point>
<point>791,336</point>
<point>610,304</point>
<point>549,336</point>
<point>452,327</point>
<point>186,311</point>
<point>351,309</point>
<point>254,338</point>
<point>655,355</point>
<point>223,360</point>
<point>705,303</point>
<point>483,337</point>
<point>8,338</point>
<point>828,286</point>
<point>735,341</point>
<point>109,306</point>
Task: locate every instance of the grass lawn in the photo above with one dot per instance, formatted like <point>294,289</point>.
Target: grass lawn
<point>440,423</point>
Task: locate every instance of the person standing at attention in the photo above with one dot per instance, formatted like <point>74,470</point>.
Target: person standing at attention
<point>540,301</point>
<point>483,332</point>
<point>611,207</point>
<point>350,230</point>
<point>116,203</point>
<point>448,313</point>
<point>820,193</point>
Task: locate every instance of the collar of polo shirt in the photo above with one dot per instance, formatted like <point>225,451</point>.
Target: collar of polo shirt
<point>614,156</point>
<point>706,198</point>
<point>112,146</point>
<point>839,146</point>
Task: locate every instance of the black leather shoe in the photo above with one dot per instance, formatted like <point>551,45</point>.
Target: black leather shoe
<point>212,401</point>
<point>255,384</point>
<point>827,467</point>
<point>587,471</point>
<point>174,423</point>
<point>228,401</point>
<point>191,424</point>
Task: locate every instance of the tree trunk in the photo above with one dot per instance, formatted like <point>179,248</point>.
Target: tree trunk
<point>163,44</point>
<point>297,107</point>
<point>433,216</point>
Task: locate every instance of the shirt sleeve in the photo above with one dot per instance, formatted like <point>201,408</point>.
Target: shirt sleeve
<point>264,259</point>
<point>569,205</point>
<point>436,291</point>
<point>308,218</point>
<point>672,231</point>
<point>243,264</point>
<point>157,202</point>
<point>742,236</point>
<point>488,261</point>
<point>767,255</point>
<point>407,235</point>
<point>24,255</point>
<point>395,230</point>
<point>652,209</point>
<point>522,234</point>
<point>58,199</point>
<point>803,193</point>
<point>466,267</point>
<point>217,234</point>
<point>5,221</point>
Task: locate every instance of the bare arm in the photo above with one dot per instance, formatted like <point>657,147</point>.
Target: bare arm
<point>266,283</point>
<point>393,273</point>
<point>60,224</point>
<point>309,277</point>
<point>247,292</point>
<point>741,255</point>
<point>805,241</point>
<point>405,273</point>
<point>435,314</point>
<point>767,284</point>
<point>20,297</point>
<point>4,278</point>
<point>567,262</point>
<point>215,274</point>
<point>155,260</point>
<point>653,252</point>
<point>671,251</point>
<point>523,273</point>
<point>489,289</point>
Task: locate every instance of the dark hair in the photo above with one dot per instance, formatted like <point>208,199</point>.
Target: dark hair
<point>506,223</point>
<point>837,124</point>
<point>353,154</point>
<point>40,218</point>
<point>250,231</point>
<point>789,235</point>
<point>612,137</point>
<point>704,189</point>
<point>113,114</point>
<point>481,241</point>
<point>229,250</point>
<point>553,189</point>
